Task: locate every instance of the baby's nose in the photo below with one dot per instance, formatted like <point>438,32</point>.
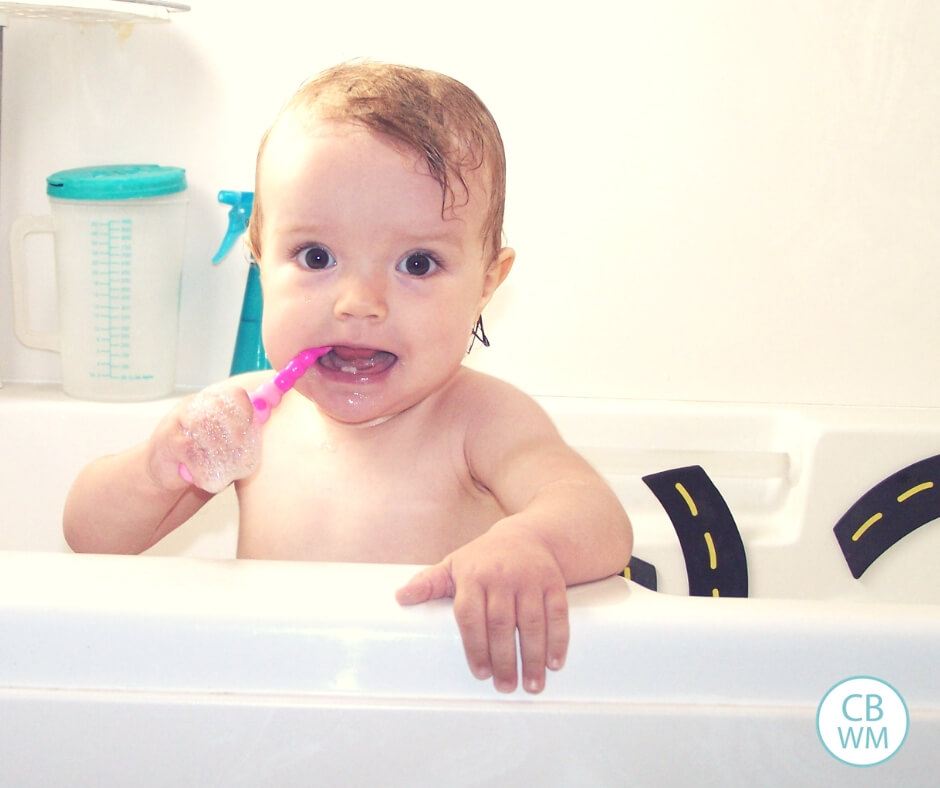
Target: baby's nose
<point>362,298</point>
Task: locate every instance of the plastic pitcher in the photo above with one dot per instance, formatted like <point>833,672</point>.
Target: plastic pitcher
<point>118,237</point>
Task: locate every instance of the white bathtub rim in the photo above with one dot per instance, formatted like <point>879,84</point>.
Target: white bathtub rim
<point>119,623</point>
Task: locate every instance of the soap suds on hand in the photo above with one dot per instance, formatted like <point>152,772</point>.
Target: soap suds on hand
<point>225,439</point>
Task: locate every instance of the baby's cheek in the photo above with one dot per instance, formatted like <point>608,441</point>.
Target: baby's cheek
<point>224,439</point>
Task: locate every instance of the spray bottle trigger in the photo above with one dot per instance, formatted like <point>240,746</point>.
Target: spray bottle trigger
<point>238,217</point>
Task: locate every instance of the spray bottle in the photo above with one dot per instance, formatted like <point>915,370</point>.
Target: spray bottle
<point>249,352</point>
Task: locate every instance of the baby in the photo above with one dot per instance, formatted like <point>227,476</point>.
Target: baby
<point>377,226</point>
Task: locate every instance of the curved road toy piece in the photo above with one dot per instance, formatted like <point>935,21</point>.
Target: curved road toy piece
<point>642,572</point>
<point>711,543</point>
<point>888,512</point>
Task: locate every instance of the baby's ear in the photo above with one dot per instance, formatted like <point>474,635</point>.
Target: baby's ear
<point>497,270</point>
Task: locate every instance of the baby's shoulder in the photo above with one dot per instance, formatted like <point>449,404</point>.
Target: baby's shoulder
<point>476,393</point>
<point>499,422</point>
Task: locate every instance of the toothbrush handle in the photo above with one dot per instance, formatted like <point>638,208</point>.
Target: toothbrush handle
<point>268,395</point>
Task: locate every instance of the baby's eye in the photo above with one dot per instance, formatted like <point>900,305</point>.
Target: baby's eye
<point>418,264</point>
<point>315,258</point>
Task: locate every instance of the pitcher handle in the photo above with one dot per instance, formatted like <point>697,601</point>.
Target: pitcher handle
<point>21,227</point>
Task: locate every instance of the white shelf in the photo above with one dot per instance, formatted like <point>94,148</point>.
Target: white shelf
<point>91,10</point>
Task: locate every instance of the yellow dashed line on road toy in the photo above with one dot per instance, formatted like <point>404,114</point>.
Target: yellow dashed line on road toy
<point>901,499</point>
<point>712,556</point>
<point>680,487</point>
<point>914,490</point>
<point>706,528</point>
<point>866,525</point>
<point>899,504</point>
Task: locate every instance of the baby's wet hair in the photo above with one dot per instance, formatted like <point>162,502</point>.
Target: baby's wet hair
<point>438,117</point>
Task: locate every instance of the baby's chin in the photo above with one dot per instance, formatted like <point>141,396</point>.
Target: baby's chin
<point>364,425</point>
<point>352,408</point>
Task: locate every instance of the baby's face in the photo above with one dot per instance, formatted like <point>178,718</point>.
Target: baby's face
<point>355,254</point>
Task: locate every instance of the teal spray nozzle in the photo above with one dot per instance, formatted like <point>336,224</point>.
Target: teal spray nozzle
<point>249,352</point>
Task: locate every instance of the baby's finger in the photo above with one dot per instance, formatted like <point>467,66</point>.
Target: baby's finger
<point>501,631</point>
<point>433,582</point>
<point>530,614</point>
<point>558,629</point>
<point>470,612</point>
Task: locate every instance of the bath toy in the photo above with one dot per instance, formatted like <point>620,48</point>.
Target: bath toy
<point>889,511</point>
<point>268,395</point>
<point>711,543</point>
<point>641,572</point>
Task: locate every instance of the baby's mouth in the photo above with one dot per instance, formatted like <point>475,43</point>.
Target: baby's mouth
<point>358,361</point>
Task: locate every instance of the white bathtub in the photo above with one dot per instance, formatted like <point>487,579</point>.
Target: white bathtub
<point>191,670</point>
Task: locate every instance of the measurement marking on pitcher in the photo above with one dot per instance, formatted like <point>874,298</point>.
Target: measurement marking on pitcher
<point>111,284</point>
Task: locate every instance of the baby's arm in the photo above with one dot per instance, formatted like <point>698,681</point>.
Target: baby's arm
<point>127,502</point>
<point>564,526</point>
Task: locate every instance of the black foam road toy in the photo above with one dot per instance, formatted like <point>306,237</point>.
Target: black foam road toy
<point>642,572</point>
<point>711,544</point>
<point>888,512</point>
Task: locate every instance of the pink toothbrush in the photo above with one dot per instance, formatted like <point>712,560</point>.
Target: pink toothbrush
<point>268,395</point>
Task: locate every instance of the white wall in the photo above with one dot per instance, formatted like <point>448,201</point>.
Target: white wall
<point>718,201</point>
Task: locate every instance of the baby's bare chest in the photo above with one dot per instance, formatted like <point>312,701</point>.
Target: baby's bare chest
<point>376,501</point>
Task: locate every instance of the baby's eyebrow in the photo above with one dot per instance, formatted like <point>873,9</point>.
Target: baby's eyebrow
<point>300,226</point>
<point>448,234</point>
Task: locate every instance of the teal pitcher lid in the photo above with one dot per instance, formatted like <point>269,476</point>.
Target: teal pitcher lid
<point>116,182</point>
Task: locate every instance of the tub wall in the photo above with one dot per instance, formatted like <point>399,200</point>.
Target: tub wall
<point>721,201</point>
<point>787,475</point>
<point>242,673</point>
<point>185,671</point>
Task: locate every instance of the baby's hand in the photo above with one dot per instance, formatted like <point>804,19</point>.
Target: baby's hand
<point>502,582</point>
<point>213,434</point>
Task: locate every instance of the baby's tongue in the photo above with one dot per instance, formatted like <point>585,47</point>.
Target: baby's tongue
<point>354,353</point>
<point>357,359</point>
